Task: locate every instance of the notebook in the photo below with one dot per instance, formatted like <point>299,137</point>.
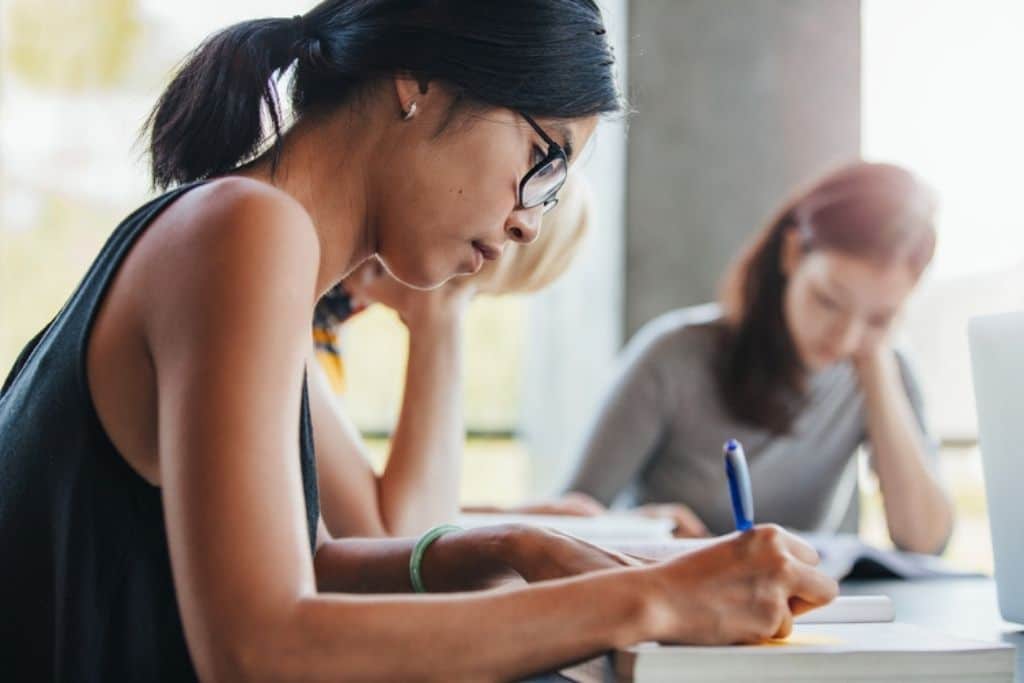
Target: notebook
<point>827,652</point>
<point>853,639</point>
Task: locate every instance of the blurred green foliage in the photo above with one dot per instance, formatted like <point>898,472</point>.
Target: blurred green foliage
<point>70,44</point>
<point>41,266</point>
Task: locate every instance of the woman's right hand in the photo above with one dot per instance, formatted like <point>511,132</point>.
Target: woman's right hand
<point>745,589</point>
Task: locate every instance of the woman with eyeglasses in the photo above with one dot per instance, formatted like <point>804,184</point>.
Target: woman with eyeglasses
<point>159,514</point>
<point>798,363</point>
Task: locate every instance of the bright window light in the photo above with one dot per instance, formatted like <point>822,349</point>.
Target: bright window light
<point>943,93</point>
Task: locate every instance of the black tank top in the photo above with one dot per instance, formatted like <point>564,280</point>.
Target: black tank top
<point>85,578</point>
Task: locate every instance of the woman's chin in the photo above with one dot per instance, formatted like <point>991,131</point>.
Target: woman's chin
<point>471,267</point>
<point>427,283</point>
<point>430,276</point>
<point>816,362</point>
<point>416,278</point>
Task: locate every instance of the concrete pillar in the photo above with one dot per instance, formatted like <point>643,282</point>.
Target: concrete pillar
<point>736,101</point>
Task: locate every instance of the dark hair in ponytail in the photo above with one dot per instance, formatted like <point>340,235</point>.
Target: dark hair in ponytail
<point>545,58</point>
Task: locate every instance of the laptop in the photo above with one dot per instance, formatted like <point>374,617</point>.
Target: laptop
<point>997,360</point>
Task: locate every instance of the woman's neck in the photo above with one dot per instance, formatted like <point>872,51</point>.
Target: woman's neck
<point>333,187</point>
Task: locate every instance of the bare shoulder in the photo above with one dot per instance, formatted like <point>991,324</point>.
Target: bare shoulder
<point>234,226</point>
<point>233,195</point>
<point>233,245</point>
<point>238,210</point>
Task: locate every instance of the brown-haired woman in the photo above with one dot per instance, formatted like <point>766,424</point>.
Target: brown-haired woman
<point>796,362</point>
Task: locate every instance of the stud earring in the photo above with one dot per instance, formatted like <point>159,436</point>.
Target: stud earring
<point>410,113</point>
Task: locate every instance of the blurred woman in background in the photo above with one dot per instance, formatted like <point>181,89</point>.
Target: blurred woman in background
<point>797,363</point>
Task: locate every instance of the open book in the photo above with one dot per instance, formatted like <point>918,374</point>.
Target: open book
<point>853,639</point>
<point>602,529</point>
<point>843,556</point>
<point>846,556</point>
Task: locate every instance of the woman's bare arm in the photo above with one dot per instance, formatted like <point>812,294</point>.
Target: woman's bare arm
<point>349,488</point>
<point>419,486</point>
<point>420,483</point>
<point>918,511</point>
<point>243,570</point>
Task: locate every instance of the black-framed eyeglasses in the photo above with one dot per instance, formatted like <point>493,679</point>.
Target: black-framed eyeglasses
<point>540,186</point>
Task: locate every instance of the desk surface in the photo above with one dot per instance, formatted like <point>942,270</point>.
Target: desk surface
<point>961,607</point>
<point>964,607</point>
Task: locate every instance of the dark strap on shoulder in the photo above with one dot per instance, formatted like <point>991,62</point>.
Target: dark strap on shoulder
<point>22,358</point>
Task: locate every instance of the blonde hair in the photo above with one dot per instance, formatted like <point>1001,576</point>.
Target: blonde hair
<point>525,268</point>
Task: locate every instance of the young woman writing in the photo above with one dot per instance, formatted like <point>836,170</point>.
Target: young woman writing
<point>159,516</point>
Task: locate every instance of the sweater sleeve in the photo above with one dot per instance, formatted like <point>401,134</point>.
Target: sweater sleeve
<point>631,420</point>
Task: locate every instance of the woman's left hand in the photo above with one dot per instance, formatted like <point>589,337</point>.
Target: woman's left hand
<point>544,554</point>
<point>495,556</point>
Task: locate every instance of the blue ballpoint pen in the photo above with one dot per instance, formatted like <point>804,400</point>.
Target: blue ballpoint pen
<point>739,485</point>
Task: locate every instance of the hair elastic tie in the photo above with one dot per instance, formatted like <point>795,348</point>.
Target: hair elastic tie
<point>299,28</point>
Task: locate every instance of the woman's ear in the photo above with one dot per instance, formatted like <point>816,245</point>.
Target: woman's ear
<point>420,95</point>
<point>408,90</point>
<point>792,251</point>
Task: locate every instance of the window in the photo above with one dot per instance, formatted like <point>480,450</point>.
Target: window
<point>942,95</point>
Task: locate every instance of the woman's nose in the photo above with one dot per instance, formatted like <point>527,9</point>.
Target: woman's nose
<point>523,226</point>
